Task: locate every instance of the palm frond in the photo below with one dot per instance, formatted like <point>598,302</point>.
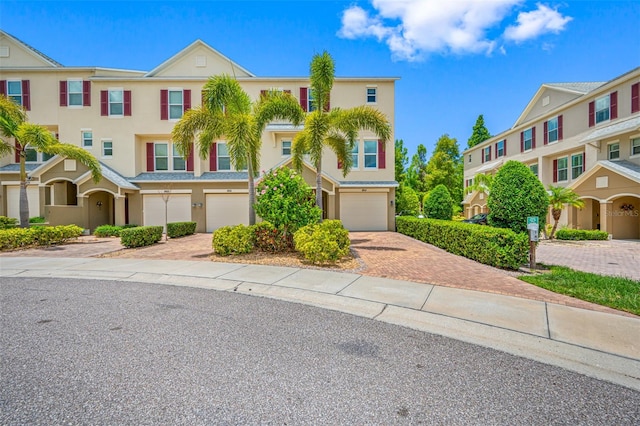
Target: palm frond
<point>35,136</point>
<point>277,105</point>
<point>11,116</point>
<point>298,149</point>
<point>200,121</point>
<point>76,153</point>
<point>342,148</point>
<point>365,118</point>
<point>322,71</point>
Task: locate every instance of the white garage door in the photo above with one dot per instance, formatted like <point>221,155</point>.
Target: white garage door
<point>178,209</point>
<point>364,211</point>
<point>13,201</point>
<point>226,209</point>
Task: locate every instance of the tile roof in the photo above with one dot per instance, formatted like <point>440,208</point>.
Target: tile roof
<point>34,50</point>
<point>115,177</point>
<point>580,87</point>
<point>624,167</point>
<point>389,183</point>
<point>15,168</point>
<point>184,176</point>
<point>613,129</point>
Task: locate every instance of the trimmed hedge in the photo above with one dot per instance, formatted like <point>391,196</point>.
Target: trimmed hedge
<point>325,242</point>
<point>233,240</point>
<point>140,236</point>
<point>581,234</point>
<point>497,247</point>
<point>15,238</point>
<point>8,222</point>
<point>104,231</point>
<point>180,229</point>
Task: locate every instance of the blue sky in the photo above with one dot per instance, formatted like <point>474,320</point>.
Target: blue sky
<point>456,59</point>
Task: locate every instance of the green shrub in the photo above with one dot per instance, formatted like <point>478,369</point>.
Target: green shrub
<point>14,238</point>
<point>270,239</point>
<point>439,204</point>
<point>104,231</point>
<point>180,229</point>
<point>8,222</point>
<point>325,242</point>
<point>140,236</point>
<point>37,219</point>
<point>407,201</point>
<point>516,193</point>
<point>497,247</point>
<point>285,200</point>
<point>581,234</point>
<point>233,240</point>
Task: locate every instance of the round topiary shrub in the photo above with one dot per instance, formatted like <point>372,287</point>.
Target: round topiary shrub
<point>516,193</point>
<point>439,204</point>
<point>325,242</point>
<point>407,201</point>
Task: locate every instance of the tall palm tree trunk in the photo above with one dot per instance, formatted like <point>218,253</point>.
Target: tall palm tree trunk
<point>319,187</point>
<point>252,192</point>
<point>24,201</point>
<point>555,213</point>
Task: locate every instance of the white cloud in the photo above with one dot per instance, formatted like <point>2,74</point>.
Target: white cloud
<point>535,23</point>
<point>413,28</point>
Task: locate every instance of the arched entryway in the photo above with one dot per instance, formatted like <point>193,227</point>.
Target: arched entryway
<point>101,209</point>
<point>624,217</point>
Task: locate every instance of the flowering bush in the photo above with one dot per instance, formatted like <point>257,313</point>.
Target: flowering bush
<point>285,200</point>
<point>270,239</point>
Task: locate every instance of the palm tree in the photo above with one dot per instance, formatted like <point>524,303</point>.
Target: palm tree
<point>481,183</point>
<point>336,129</point>
<point>228,112</point>
<point>559,197</point>
<point>28,136</point>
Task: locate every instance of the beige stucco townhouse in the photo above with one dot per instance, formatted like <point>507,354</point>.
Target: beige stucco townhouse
<point>124,118</point>
<point>585,136</point>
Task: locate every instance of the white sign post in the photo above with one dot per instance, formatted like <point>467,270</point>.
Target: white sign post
<point>532,226</point>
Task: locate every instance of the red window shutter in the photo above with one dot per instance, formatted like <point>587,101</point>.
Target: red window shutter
<point>496,149</point>
<point>26,95</point>
<point>164,104</point>
<point>63,93</point>
<point>489,152</point>
<point>304,100</point>
<point>560,127</point>
<point>339,164</point>
<point>382,160</point>
<point>555,170</point>
<point>592,113</point>
<point>482,155</point>
<point>190,159</point>
<point>635,98</point>
<point>186,99</point>
<point>521,141</point>
<point>533,137</point>
<point>505,147</point>
<point>613,105</point>
<point>584,163</point>
<point>150,157</point>
<point>3,87</point>
<point>18,151</point>
<point>86,93</point>
<point>545,129</point>
<point>127,102</point>
<point>104,102</point>
<point>213,158</point>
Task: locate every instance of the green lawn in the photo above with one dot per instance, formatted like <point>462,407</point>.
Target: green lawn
<point>615,292</point>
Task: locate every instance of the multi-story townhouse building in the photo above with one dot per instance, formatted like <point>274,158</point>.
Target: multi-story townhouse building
<point>124,118</point>
<point>585,136</point>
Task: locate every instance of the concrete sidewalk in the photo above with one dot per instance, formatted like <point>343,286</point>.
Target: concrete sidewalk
<point>601,345</point>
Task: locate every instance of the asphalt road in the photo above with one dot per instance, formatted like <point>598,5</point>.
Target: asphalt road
<point>106,352</point>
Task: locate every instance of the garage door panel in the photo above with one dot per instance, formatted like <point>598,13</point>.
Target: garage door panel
<point>364,211</point>
<point>226,210</point>
<point>178,209</point>
<point>13,201</point>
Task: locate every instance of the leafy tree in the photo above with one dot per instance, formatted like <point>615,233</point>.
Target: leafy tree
<point>401,160</point>
<point>285,200</point>
<point>559,197</point>
<point>439,204</point>
<point>417,172</point>
<point>480,133</point>
<point>28,136</point>
<point>481,183</point>
<point>227,111</point>
<point>445,167</point>
<point>407,201</point>
<point>516,193</point>
<point>336,129</point>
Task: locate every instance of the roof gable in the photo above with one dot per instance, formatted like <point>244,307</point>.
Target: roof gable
<point>15,53</point>
<point>198,60</point>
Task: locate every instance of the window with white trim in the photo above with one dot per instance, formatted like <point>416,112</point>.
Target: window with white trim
<point>310,104</point>
<point>176,104</point>
<point>552,130</point>
<point>87,138</point>
<point>224,160</point>
<point>14,91</point>
<point>635,146</point>
<point>577,165</point>
<point>486,154</point>
<point>372,95</point>
<point>178,161</point>
<point>527,142</point>
<point>469,157</point>
<point>370,154</point>
<point>286,148</point>
<point>33,156</point>
<point>355,155</point>
<point>500,149</point>
<point>107,148</point>
<point>602,109</point>
<point>563,172</point>
<point>534,169</point>
<point>167,158</point>
<point>613,151</point>
<point>74,92</point>
<point>116,102</point>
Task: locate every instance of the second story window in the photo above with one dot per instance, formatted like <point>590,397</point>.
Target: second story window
<point>500,149</point>
<point>527,139</point>
<point>635,146</point>
<point>562,173</point>
<point>115,102</point>
<point>372,95</point>
<point>486,154</point>
<point>74,92</point>
<point>107,148</point>
<point>286,148</point>
<point>603,109</point>
<point>534,169</point>
<point>577,165</point>
<point>370,154</point>
<point>613,151</point>
<point>355,155</point>
<point>87,139</point>
<point>224,160</point>
<point>552,130</point>
<point>175,104</point>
